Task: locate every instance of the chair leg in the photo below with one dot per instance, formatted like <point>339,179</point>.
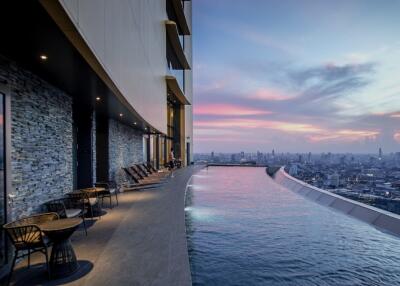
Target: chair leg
<point>116,197</point>
<point>47,263</point>
<point>84,224</point>
<point>12,268</point>
<point>91,212</point>
<point>29,258</point>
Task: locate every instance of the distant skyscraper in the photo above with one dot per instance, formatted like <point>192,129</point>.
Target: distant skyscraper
<point>242,155</point>
<point>273,153</point>
<point>380,153</point>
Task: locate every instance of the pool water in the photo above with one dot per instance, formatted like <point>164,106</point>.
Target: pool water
<point>244,229</point>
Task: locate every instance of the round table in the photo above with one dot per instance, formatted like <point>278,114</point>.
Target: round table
<point>63,259</point>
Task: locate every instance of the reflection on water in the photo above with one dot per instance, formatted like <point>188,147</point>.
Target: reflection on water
<point>243,229</point>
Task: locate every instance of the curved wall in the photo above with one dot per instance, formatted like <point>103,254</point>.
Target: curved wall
<point>383,220</point>
<point>128,38</point>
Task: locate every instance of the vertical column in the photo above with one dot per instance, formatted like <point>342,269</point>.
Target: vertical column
<point>157,151</point>
<point>182,138</point>
<point>148,148</point>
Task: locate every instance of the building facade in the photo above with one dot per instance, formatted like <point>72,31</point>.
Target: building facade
<point>87,88</point>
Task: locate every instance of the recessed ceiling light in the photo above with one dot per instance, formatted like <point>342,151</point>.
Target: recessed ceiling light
<point>134,123</point>
<point>98,98</point>
<point>145,128</point>
<point>43,57</point>
<point>121,115</point>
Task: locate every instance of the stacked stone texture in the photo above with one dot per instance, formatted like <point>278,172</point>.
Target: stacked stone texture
<point>125,149</point>
<point>41,140</point>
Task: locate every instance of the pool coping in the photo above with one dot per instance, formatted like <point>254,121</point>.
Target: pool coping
<point>382,220</point>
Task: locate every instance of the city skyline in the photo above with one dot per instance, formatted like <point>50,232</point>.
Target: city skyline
<point>296,76</point>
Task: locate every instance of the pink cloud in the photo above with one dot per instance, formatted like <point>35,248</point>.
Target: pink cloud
<point>386,114</point>
<point>269,94</point>
<point>227,109</point>
<point>396,136</point>
<point>258,123</point>
<point>313,133</point>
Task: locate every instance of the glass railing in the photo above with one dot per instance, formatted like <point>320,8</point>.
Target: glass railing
<point>182,41</point>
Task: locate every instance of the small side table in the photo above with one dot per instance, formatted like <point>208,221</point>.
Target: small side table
<point>63,259</point>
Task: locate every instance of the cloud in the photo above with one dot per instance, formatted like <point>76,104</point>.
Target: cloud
<point>330,80</point>
<point>257,124</point>
<point>268,94</point>
<point>220,109</point>
<point>344,135</point>
<point>396,136</point>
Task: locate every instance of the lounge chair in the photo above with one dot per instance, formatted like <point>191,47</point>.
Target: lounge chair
<point>150,174</point>
<point>139,182</point>
<point>145,176</point>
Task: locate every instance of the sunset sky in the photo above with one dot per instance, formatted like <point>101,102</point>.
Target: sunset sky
<point>296,76</point>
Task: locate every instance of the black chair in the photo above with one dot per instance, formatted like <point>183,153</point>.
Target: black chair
<point>27,238</point>
<point>111,189</point>
<point>68,208</point>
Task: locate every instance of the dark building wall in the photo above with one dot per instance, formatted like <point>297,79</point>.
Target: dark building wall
<point>125,148</point>
<point>41,140</point>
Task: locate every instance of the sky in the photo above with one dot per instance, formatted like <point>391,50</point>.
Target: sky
<point>296,76</point>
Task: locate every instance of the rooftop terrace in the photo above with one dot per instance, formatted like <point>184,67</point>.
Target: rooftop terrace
<point>140,242</point>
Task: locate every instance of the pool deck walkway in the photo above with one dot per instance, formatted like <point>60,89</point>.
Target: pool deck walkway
<point>140,242</point>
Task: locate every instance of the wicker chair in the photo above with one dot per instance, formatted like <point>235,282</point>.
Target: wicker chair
<point>111,189</point>
<point>27,238</point>
<point>88,200</point>
<point>67,208</point>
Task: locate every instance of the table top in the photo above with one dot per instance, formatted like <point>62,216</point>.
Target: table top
<point>89,190</point>
<point>60,224</point>
<point>93,190</point>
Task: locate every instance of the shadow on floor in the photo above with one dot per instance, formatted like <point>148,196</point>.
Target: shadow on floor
<point>37,275</point>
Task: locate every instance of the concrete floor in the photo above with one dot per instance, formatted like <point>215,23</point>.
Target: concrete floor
<point>140,242</point>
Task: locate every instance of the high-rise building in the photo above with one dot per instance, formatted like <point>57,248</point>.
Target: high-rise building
<point>86,89</point>
<point>380,153</point>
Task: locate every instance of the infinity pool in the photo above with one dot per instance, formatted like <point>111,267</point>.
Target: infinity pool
<point>244,229</point>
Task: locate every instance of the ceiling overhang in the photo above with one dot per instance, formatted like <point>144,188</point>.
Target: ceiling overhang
<point>181,18</point>
<point>173,86</point>
<point>173,36</point>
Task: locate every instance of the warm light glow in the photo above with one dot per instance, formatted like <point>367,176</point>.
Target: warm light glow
<point>43,57</point>
<point>227,109</point>
<point>134,123</point>
<point>98,98</point>
<point>121,115</point>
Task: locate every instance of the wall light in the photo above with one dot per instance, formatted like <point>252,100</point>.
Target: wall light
<point>134,123</point>
<point>98,98</point>
<point>121,115</point>
<point>43,57</point>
